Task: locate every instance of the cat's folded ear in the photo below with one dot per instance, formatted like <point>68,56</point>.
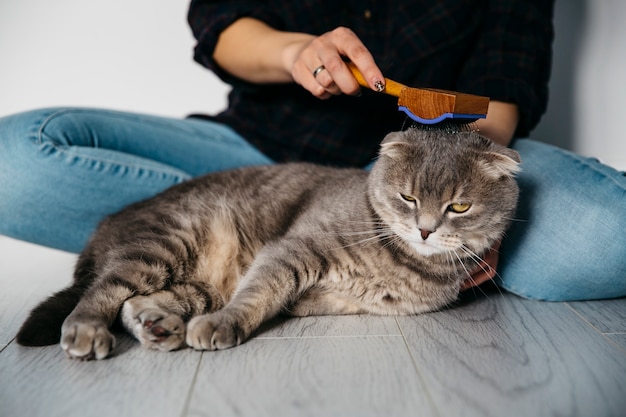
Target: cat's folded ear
<point>394,145</point>
<point>501,162</point>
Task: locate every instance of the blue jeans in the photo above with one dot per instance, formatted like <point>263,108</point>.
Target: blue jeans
<point>63,170</point>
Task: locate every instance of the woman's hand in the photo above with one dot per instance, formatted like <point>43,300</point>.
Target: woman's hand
<point>318,65</point>
<point>255,52</point>
<point>485,270</point>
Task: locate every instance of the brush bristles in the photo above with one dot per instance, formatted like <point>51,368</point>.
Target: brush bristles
<point>448,126</point>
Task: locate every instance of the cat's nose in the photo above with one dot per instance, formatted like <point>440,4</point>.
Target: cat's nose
<point>425,233</point>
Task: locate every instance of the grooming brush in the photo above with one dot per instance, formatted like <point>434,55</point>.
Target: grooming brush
<point>431,106</point>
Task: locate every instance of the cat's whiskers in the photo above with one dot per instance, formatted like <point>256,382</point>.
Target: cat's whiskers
<point>364,227</point>
<point>374,235</point>
<point>450,258</point>
<point>514,219</point>
<point>391,241</point>
<point>455,253</point>
<point>479,262</point>
<point>469,275</point>
<point>375,229</point>
<point>472,255</point>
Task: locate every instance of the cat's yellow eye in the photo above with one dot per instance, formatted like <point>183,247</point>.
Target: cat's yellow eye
<point>408,198</point>
<point>459,207</point>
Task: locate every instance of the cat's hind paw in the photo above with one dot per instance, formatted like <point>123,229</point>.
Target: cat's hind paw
<point>154,327</point>
<point>160,330</point>
<point>87,341</point>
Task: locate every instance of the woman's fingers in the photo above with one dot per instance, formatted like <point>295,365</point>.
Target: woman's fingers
<point>351,47</point>
<point>321,69</point>
<point>485,270</point>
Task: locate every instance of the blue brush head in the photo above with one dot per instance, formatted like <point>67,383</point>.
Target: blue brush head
<point>460,118</point>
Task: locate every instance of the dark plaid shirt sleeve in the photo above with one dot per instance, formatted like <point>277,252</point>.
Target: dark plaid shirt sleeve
<point>209,18</point>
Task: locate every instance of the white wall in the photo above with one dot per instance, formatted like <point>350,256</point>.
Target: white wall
<point>601,76</point>
<point>136,55</point>
<point>124,54</point>
<point>587,105</point>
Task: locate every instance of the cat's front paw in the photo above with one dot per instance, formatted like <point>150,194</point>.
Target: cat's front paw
<point>86,341</point>
<point>214,332</point>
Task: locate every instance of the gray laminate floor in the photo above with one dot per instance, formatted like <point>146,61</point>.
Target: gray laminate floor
<point>492,354</point>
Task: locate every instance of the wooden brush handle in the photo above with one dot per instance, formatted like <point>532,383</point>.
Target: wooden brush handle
<point>392,88</point>
<point>429,103</point>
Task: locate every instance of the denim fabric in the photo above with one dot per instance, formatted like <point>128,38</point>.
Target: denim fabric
<point>568,241</point>
<point>63,170</point>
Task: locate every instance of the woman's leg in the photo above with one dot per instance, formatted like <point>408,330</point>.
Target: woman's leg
<point>569,238</point>
<point>63,170</point>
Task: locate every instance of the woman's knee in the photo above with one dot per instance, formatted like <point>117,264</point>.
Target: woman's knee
<point>568,240</point>
<point>585,262</point>
<point>31,125</point>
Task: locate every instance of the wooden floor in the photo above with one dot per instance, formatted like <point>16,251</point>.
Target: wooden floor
<point>490,355</point>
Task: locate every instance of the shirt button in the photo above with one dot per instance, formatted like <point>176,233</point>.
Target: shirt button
<point>368,14</point>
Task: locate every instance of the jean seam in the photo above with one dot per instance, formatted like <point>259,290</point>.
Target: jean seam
<point>39,139</point>
<point>584,161</point>
<point>128,116</point>
<point>43,123</point>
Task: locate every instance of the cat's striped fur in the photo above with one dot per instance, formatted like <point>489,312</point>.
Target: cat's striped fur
<point>204,263</point>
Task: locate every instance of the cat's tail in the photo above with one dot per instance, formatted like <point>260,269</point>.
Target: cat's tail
<point>43,325</point>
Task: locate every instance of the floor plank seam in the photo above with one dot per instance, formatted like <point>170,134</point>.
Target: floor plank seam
<point>192,385</point>
<point>583,318</point>
<point>430,397</point>
<point>604,335</point>
<point>614,343</point>
<point>6,345</point>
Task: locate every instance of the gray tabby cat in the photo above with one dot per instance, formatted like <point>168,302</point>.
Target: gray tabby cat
<point>204,263</point>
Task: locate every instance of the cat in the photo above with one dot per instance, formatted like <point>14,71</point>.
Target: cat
<point>206,262</point>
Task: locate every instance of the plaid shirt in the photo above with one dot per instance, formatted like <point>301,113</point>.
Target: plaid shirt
<point>499,48</point>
